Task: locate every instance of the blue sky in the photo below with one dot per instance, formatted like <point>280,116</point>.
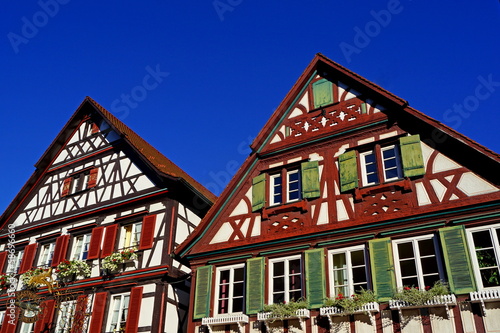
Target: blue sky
<point>223,66</point>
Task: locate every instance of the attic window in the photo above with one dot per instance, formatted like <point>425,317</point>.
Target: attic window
<point>80,181</point>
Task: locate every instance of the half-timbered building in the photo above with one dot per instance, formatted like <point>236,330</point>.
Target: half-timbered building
<point>89,236</point>
<point>349,190</point>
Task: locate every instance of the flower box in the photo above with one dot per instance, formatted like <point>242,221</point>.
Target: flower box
<point>239,319</point>
<point>483,296</point>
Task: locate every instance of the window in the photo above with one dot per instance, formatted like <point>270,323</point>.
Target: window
<point>80,181</point>
<point>118,313</point>
<point>27,328</point>
<point>417,262</point>
<point>15,263</point>
<point>81,247</point>
<point>131,235</point>
<point>230,292</point>
<point>485,247</point>
<point>65,317</point>
<point>349,273</point>
<point>286,279</point>
<point>380,164</point>
<point>46,254</point>
<point>290,189</point>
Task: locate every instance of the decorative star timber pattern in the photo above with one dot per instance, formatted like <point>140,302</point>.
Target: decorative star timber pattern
<point>343,114</point>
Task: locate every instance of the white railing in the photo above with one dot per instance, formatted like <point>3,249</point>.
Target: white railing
<point>301,314</point>
<point>440,300</point>
<point>485,296</point>
<point>368,308</point>
<point>238,319</point>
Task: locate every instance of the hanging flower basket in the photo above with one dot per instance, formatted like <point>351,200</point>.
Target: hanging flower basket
<point>4,282</point>
<point>113,262</point>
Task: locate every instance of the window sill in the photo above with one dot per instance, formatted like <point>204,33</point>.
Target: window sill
<point>397,185</point>
<point>293,206</point>
<point>224,319</point>
<point>368,308</point>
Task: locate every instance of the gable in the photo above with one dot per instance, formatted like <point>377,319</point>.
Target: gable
<point>324,107</point>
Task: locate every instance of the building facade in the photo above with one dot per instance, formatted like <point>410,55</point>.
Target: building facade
<point>350,190</point>
<point>89,236</point>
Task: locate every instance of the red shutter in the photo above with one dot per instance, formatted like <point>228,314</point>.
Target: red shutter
<point>95,128</point>
<point>148,232</point>
<point>43,324</point>
<point>134,310</point>
<point>28,258</point>
<point>3,259</point>
<point>95,243</point>
<point>109,240</point>
<point>98,312</point>
<point>60,250</point>
<point>79,317</point>
<point>6,327</point>
<point>66,186</point>
<point>92,178</point>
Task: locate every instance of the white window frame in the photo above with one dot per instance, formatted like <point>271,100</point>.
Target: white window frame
<point>285,175</point>
<point>287,290</point>
<point>78,250</point>
<point>364,174</point>
<point>418,257</point>
<point>349,267</point>
<point>65,317</point>
<point>18,258</point>
<point>79,182</point>
<point>27,328</point>
<point>126,236</point>
<point>397,156</point>
<point>496,250</point>
<point>46,254</point>
<point>121,308</point>
<point>231,288</point>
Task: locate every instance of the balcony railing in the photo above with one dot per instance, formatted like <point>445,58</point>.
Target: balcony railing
<point>368,308</point>
<point>301,314</point>
<point>239,319</point>
<point>440,300</point>
<point>485,296</point>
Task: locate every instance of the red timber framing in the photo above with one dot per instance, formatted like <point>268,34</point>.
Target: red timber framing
<point>102,199</point>
<point>347,188</point>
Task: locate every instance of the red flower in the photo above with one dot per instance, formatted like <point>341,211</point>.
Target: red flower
<point>427,287</point>
<point>407,288</point>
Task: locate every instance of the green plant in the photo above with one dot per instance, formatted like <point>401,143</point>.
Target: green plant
<point>26,276</point>
<point>4,281</point>
<point>285,310</point>
<point>68,268</point>
<point>416,296</point>
<point>112,261</point>
<point>353,303</point>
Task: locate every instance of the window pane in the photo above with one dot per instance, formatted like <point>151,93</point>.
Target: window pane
<point>370,158</point>
<point>490,277</point>
<point>239,274</point>
<point>358,275</point>
<point>278,298</point>
<point>486,258</point>
<point>426,247</point>
<point>408,268</point>
<point>295,282</point>
<point>388,153</point>
<point>430,280</point>
<point>294,266</point>
<point>224,276</point>
<point>279,284</point>
<point>357,258</point>
<point>279,268</point>
<point>410,282</point>
<point>238,289</point>
<point>238,305</point>
<point>405,250</point>
<point>340,277</point>
<point>482,239</point>
<point>429,265</point>
<point>295,295</point>
<point>339,260</point>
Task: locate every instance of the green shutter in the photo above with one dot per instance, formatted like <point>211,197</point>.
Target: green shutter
<point>411,155</point>
<point>363,108</point>
<point>258,192</point>
<point>202,292</point>
<point>382,265</point>
<point>348,167</point>
<point>255,285</point>
<point>310,179</point>
<point>457,260</point>
<point>323,93</point>
<point>315,277</point>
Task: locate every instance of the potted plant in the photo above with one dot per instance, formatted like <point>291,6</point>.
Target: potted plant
<point>4,282</point>
<point>280,311</point>
<point>69,270</point>
<point>418,297</point>
<point>28,275</point>
<point>348,305</point>
<point>112,262</point>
